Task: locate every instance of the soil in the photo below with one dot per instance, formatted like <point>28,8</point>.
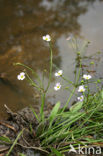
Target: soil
<point>12,127</point>
<point>27,144</point>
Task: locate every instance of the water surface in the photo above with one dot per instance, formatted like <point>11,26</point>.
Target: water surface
<point>22,25</point>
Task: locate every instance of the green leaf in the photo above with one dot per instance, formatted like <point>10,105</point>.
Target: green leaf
<point>54,111</point>
<point>21,154</point>
<point>102,94</point>
<point>5,139</point>
<point>15,142</point>
<point>76,107</point>
<point>56,152</point>
<point>40,128</point>
<point>35,114</point>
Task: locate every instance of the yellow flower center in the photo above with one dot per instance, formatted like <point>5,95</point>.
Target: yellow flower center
<point>22,76</point>
<point>58,86</point>
<point>81,90</point>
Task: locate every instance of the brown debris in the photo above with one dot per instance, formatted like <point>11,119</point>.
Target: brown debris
<point>3,148</point>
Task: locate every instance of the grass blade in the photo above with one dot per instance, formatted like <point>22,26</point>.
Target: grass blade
<point>35,114</point>
<point>54,112</point>
<point>5,139</point>
<point>56,152</point>
<point>76,107</point>
<point>10,150</point>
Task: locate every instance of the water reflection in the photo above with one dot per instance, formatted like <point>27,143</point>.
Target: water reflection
<point>22,24</point>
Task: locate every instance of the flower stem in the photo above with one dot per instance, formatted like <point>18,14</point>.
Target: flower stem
<point>42,106</point>
<point>72,93</point>
<point>43,94</point>
<point>51,64</point>
<point>78,76</point>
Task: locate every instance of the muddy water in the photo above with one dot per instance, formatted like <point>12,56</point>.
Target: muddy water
<point>22,25</point>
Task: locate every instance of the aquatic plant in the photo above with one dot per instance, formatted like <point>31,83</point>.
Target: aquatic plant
<point>82,122</point>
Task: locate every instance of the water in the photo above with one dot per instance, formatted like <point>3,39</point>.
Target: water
<point>22,25</point>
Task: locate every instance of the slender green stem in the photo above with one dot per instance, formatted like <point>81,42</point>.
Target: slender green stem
<point>42,106</point>
<point>15,142</point>
<point>78,76</point>
<point>72,93</point>
<point>92,112</point>
<point>34,73</point>
<point>44,93</point>
<point>70,82</point>
<point>51,64</point>
<point>89,82</point>
<point>32,82</point>
<point>87,94</point>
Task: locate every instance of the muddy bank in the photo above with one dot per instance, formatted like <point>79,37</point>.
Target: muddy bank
<point>11,128</point>
<point>28,143</point>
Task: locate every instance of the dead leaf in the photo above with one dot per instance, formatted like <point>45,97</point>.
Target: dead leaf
<point>7,125</point>
<point>3,149</point>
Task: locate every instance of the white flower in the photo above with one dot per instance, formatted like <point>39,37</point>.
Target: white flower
<point>21,76</point>
<point>57,86</point>
<point>81,89</point>
<point>87,77</point>
<point>47,38</point>
<point>59,73</point>
<point>81,98</point>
